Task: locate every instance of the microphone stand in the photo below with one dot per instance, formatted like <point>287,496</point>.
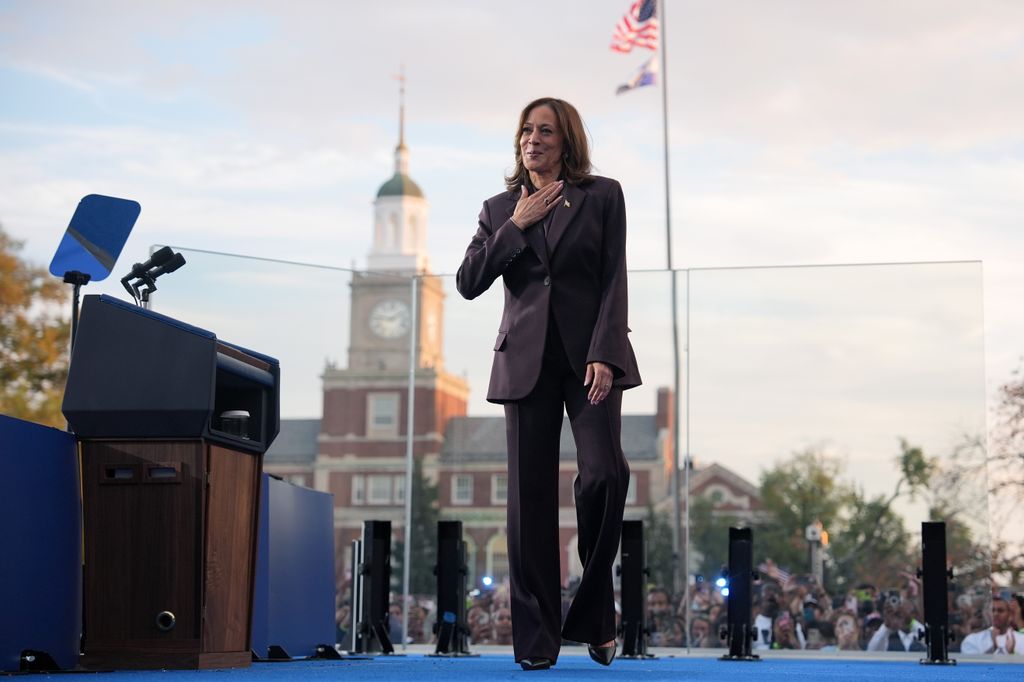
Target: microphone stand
<point>144,282</point>
<point>77,280</point>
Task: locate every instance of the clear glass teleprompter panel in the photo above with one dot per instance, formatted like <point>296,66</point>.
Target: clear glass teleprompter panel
<point>840,405</point>
<point>299,314</point>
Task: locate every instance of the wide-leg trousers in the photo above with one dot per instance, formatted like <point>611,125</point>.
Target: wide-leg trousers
<point>533,428</point>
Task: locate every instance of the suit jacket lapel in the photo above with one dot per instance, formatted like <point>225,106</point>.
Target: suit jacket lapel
<point>573,197</point>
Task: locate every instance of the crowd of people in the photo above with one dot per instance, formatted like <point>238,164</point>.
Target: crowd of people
<point>798,613</point>
<point>789,612</point>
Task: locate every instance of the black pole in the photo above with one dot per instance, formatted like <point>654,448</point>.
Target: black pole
<point>372,628</point>
<point>739,630</point>
<point>633,572</point>
<point>76,279</point>
<point>452,574</point>
<point>934,576</point>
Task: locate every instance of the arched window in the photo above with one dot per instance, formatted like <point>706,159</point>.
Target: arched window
<point>395,241</point>
<point>497,557</point>
<point>412,240</point>
<point>470,559</point>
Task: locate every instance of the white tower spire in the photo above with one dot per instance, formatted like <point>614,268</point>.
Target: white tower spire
<point>400,212</point>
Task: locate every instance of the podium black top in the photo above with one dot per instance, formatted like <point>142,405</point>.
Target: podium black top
<point>139,374</point>
<point>184,326</point>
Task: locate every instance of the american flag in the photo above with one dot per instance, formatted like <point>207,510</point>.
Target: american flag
<point>780,575</point>
<point>637,28</point>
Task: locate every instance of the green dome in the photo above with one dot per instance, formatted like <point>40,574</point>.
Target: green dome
<point>400,185</point>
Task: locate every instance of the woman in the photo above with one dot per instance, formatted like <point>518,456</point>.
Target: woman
<point>557,238</point>
<point>847,632</point>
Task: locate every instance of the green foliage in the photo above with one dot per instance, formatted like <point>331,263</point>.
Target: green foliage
<point>795,493</point>
<point>709,536</point>
<point>868,539</point>
<point>424,538</point>
<point>658,534</point>
<point>871,543</point>
<point>917,469</point>
<point>34,339</point>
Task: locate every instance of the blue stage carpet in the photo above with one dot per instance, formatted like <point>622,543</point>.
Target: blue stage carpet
<point>415,667</point>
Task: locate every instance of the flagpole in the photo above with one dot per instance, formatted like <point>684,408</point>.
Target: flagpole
<point>676,506</point>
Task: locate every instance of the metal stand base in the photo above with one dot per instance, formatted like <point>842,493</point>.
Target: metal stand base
<point>750,658</point>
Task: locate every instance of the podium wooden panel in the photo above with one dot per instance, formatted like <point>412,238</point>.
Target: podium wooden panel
<point>170,528</point>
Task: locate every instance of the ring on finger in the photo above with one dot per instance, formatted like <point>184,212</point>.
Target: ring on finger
<point>547,201</point>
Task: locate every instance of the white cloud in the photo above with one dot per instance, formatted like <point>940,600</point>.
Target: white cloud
<point>801,133</point>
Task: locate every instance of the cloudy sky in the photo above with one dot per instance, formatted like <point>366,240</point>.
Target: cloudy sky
<point>802,134</point>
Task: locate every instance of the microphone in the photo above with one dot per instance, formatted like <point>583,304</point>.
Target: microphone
<point>159,257</point>
<point>175,262</point>
<point>162,261</point>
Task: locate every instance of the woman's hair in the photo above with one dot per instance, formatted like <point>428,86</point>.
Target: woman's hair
<point>575,149</point>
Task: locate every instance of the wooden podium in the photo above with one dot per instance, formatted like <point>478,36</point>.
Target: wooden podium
<point>170,497</point>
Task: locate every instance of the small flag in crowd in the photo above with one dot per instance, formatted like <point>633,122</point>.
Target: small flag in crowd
<point>647,74</point>
<point>637,28</point>
<point>780,575</point>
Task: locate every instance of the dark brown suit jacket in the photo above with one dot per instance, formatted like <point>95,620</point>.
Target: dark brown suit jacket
<point>576,274</point>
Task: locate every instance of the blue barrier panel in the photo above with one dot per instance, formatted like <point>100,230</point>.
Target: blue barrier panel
<point>40,544</point>
<point>294,595</point>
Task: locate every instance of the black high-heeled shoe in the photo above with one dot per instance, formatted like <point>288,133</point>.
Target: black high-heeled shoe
<point>602,654</point>
<point>535,663</point>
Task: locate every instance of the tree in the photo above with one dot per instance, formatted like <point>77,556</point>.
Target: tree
<point>989,475</point>
<point>658,534</point>
<point>795,493</point>
<point>423,534</point>
<point>709,536</point>
<point>869,540</point>
<point>1006,458</point>
<point>34,339</point>
<point>874,542</point>
<point>870,544</point>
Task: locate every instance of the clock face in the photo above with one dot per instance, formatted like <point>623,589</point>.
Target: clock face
<point>390,319</point>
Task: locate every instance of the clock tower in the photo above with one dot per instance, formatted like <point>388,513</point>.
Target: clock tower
<point>362,439</point>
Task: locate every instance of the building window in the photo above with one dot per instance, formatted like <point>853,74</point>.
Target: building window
<point>497,558</point>
<point>380,489</point>
<point>358,490</point>
<point>382,414</point>
<point>471,558</point>
<point>396,234</point>
<point>462,489</point>
<point>499,488</point>
<point>631,490</point>
<point>399,489</point>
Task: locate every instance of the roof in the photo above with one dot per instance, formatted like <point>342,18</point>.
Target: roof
<point>466,439</point>
<point>400,185</point>
<point>482,439</point>
<point>295,443</point>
